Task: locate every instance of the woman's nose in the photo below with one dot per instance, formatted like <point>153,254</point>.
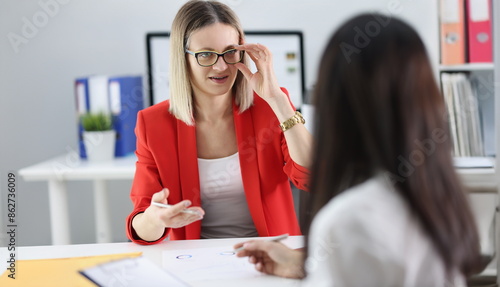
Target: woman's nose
<point>220,65</point>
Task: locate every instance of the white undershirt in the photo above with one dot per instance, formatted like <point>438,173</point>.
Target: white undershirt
<point>223,199</point>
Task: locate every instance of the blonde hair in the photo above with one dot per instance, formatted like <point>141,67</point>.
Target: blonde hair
<point>194,15</point>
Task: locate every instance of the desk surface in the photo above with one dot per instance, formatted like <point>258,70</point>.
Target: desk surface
<point>153,253</point>
<point>71,167</point>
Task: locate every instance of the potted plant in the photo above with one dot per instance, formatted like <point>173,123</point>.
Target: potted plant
<point>98,136</point>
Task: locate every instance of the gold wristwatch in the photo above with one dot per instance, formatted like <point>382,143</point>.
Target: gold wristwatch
<point>296,119</point>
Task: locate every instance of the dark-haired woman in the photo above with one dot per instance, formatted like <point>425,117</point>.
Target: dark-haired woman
<point>387,207</point>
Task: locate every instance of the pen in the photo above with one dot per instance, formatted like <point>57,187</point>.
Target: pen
<point>168,206</point>
<point>275,239</point>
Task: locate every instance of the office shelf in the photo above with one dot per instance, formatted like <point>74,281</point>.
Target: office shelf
<point>480,180</point>
<point>467,67</point>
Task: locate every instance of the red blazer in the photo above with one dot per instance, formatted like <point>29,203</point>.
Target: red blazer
<point>167,158</point>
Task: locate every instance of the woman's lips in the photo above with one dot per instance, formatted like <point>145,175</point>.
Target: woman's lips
<point>219,80</point>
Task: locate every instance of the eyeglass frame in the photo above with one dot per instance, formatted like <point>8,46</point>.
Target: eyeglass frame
<point>218,55</point>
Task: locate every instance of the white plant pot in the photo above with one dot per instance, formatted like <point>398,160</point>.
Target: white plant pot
<point>99,146</point>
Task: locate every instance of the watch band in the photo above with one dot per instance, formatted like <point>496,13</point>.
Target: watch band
<point>295,119</point>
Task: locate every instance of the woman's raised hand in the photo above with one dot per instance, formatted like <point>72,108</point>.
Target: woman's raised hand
<point>263,81</point>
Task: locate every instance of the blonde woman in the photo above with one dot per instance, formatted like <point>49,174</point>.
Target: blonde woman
<point>216,147</point>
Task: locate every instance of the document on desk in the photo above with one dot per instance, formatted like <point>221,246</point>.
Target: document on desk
<point>208,264</point>
<point>57,271</point>
<point>131,272</point>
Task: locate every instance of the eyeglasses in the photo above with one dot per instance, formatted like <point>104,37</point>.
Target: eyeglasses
<point>209,58</point>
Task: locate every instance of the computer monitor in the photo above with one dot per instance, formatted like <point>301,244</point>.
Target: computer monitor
<point>286,47</point>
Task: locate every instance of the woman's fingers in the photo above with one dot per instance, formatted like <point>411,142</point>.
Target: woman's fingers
<point>257,52</point>
<point>198,210</point>
<point>255,49</point>
<point>161,196</point>
<point>175,216</point>
<point>259,246</point>
<point>272,258</point>
<point>179,207</point>
<point>244,70</point>
<point>179,219</point>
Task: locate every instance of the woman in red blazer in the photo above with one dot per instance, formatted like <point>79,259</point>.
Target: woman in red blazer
<point>216,147</point>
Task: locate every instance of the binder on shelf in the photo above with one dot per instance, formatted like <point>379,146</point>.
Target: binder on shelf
<point>452,32</point>
<point>121,96</point>
<point>479,31</point>
<point>463,114</point>
<point>126,100</point>
<point>98,94</point>
<point>450,108</point>
<point>82,107</point>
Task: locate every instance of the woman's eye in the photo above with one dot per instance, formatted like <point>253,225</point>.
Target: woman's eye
<point>205,54</point>
<point>231,52</point>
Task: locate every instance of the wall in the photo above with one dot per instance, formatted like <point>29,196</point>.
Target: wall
<point>71,38</point>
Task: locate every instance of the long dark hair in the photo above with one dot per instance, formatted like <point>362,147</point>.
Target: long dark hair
<point>379,110</point>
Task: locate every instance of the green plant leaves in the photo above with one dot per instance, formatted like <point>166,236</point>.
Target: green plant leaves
<point>92,122</point>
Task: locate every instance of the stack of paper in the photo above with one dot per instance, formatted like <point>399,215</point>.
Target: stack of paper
<point>131,272</point>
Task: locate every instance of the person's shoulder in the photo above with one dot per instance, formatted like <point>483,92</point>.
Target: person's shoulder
<point>370,201</point>
<point>362,195</point>
<point>159,111</point>
<point>157,108</point>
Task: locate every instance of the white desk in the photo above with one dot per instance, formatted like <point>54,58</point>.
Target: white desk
<point>59,170</point>
<point>153,253</point>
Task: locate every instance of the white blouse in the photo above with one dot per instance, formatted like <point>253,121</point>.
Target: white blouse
<point>223,199</point>
<point>367,237</point>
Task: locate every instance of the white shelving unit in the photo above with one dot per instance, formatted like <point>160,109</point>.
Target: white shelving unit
<point>487,179</point>
<point>481,179</point>
<point>467,67</point>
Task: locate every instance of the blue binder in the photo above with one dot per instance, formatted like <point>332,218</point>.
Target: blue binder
<point>82,107</point>
<point>126,100</point>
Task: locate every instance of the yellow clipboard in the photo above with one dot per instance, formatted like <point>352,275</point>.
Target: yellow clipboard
<point>57,272</point>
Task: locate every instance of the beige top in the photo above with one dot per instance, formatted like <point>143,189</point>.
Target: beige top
<point>223,199</point>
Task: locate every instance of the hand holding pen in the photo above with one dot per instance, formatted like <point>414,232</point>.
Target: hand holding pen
<point>175,215</point>
<point>272,257</point>
<point>272,238</point>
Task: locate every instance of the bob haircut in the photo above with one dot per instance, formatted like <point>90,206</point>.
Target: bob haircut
<point>194,15</point>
